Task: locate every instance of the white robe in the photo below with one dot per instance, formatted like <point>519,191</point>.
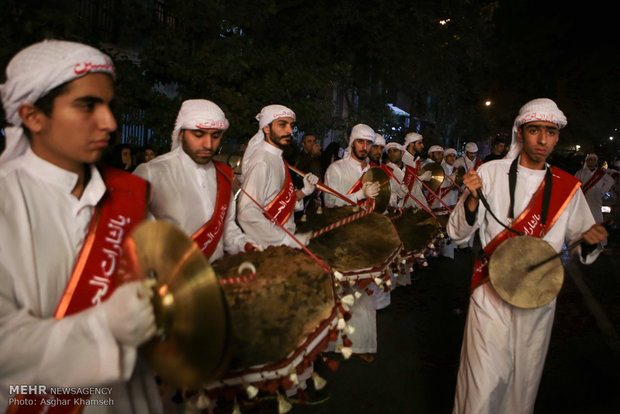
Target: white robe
<point>264,178</point>
<point>452,197</point>
<point>43,229</point>
<point>341,175</point>
<point>416,190</point>
<point>504,347</point>
<point>465,162</point>
<point>594,196</point>
<point>184,193</point>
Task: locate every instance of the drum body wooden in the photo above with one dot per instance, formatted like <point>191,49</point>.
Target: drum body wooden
<point>361,249</point>
<point>280,318</point>
<point>419,231</point>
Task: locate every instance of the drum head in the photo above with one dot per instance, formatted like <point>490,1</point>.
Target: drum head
<point>190,310</point>
<point>509,275</point>
<point>271,314</point>
<point>382,200</point>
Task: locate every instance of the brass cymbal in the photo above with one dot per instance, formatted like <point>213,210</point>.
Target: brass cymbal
<point>509,275</point>
<point>232,160</point>
<point>437,175</point>
<point>382,200</point>
<point>458,179</point>
<point>190,310</point>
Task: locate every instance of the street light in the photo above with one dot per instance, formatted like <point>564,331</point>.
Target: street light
<point>488,103</point>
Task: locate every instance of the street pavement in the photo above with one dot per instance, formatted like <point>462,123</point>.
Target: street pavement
<point>420,333</point>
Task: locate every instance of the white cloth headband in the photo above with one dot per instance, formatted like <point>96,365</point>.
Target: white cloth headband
<point>471,147</point>
<point>542,109</point>
<point>395,145</point>
<point>36,70</point>
<point>379,140</point>
<point>266,116</point>
<point>198,114</point>
<point>435,148</point>
<point>449,151</point>
<point>412,137</point>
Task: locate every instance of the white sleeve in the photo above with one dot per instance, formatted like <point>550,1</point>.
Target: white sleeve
<point>78,350</point>
<point>333,179</point>
<point>234,239</point>
<point>580,219</point>
<point>459,230</point>
<point>250,216</point>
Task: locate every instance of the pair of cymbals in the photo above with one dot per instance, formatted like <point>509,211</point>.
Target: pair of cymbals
<point>376,174</point>
<point>191,346</point>
<point>437,175</point>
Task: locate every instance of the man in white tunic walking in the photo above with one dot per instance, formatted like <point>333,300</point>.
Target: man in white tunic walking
<point>504,347</point>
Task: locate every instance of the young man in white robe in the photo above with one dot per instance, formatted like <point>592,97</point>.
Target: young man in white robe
<point>191,190</point>
<point>595,183</point>
<point>64,320</point>
<point>342,176</point>
<point>504,347</point>
<point>267,182</point>
<point>470,159</point>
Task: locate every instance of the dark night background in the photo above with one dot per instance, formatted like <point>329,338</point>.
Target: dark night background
<point>340,63</point>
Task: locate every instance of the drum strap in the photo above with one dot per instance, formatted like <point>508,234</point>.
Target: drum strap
<point>512,182</point>
<point>530,221</point>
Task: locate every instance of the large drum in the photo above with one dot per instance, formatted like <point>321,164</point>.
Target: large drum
<point>420,233</point>
<point>281,317</point>
<point>361,250</point>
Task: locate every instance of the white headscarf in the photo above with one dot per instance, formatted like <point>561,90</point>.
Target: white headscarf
<point>435,148</point>
<point>379,140</point>
<point>359,131</point>
<point>412,137</point>
<point>471,147</point>
<point>394,145</point>
<point>542,109</point>
<point>449,151</point>
<point>36,70</point>
<point>198,114</point>
<point>266,116</point>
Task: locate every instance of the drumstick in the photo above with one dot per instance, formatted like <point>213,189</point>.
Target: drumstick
<point>568,248</point>
<point>433,193</point>
<point>323,187</point>
<point>428,210</point>
<point>550,258</point>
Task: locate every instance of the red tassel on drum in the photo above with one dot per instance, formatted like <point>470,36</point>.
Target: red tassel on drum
<point>272,385</point>
<point>286,383</point>
<point>302,397</point>
<point>346,341</point>
<point>332,364</point>
<point>369,292</point>
<point>333,335</point>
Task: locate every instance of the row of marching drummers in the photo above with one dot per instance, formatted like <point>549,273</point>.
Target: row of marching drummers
<point>272,312</point>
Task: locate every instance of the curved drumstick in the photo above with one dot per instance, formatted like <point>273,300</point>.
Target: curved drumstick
<point>323,187</point>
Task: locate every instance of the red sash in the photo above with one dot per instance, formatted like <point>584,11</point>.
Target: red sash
<point>528,222</point>
<point>593,180</point>
<point>283,204</point>
<point>477,164</point>
<point>94,275</point>
<point>208,236</point>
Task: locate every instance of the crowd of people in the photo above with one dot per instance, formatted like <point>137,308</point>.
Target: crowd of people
<point>65,320</point>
